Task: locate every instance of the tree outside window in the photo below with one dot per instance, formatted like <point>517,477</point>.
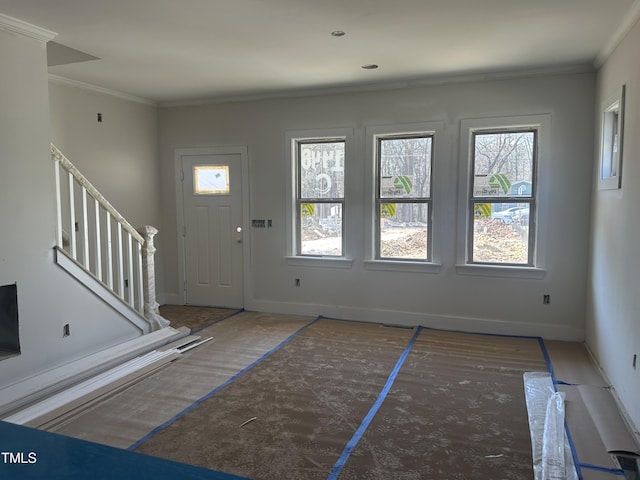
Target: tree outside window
<point>320,197</point>
<point>404,197</point>
<point>502,200</point>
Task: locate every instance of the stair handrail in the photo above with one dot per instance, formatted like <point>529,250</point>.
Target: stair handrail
<point>93,191</point>
<point>139,265</point>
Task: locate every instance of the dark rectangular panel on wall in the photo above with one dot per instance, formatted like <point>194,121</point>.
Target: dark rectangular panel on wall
<point>9,331</point>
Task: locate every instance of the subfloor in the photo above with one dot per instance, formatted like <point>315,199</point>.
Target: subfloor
<point>447,397</point>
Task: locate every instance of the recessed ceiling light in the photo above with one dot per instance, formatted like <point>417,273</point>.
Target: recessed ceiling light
<point>338,33</point>
<point>370,66</point>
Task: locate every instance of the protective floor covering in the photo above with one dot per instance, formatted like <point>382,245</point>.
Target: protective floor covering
<point>456,409</point>
<point>594,422</point>
<point>308,399</point>
<point>329,404</point>
<point>128,416</point>
<point>194,318</point>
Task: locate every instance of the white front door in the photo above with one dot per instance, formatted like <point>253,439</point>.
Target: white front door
<point>211,232</point>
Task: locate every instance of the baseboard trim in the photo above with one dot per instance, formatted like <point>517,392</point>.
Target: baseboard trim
<point>441,322</point>
<point>170,299</point>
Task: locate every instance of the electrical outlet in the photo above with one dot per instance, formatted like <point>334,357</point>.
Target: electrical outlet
<point>546,299</point>
<point>66,330</point>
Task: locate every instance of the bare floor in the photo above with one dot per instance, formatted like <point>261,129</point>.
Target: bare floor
<point>241,339</point>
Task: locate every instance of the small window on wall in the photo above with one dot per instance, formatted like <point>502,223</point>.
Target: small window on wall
<point>320,197</point>
<point>211,179</point>
<point>403,200</point>
<point>611,143</point>
<point>502,201</point>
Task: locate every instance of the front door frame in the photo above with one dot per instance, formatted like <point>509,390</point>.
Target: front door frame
<point>180,220</point>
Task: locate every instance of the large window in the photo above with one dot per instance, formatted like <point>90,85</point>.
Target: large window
<point>403,197</point>
<point>502,200</point>
<point>320,197</point>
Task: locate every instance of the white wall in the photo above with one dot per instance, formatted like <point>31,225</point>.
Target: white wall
<point>613,312</point>
<point>446,299</point>
<point>119,156</point>
<point>47,297</point>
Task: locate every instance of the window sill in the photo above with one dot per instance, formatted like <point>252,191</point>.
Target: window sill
<point>402,266</point>
<point>501,271</point>
<point>322,262</point>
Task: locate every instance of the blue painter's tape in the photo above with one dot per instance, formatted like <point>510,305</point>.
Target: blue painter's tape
<point>218,321</point>
<point>560,382</point>
<point>572,447</point>
<point>611,471</point>
<point>218,388</point>
<point>351,444</point>
<point>574,452</point>
<point>547,359</point>
<point>30,454</point>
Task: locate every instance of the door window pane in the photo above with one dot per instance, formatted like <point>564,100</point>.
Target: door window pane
<point>211,179</point>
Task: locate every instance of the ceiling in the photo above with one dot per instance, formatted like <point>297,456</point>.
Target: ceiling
<point>170,51</point>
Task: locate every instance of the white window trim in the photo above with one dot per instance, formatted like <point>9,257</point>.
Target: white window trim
<point>615,102</point>
<point>291,138</point>
<point>372,133</point>
<point>467,126</point>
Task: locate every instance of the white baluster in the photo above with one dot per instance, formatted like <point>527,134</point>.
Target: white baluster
<point>85,230</point>
<point>140,283</point>
<point>72,216</point>
<point>98,240</point>
<point>59,240</point>
<point>131,279</point>
<point>120,263</point>
<point>109,251</point>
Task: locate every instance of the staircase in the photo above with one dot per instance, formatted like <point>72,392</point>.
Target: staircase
<point>99,248</point>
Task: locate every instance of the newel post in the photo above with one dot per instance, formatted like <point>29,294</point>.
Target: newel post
<point>151,311</point>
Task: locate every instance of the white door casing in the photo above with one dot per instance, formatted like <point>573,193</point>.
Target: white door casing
<point>212,225</point>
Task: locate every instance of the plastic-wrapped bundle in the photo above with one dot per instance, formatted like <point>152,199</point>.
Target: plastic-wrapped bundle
<point>552,458</point>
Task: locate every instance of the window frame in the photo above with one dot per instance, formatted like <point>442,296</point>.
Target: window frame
<point>379,200</point>
<point>440,170</point>
<point>292,257</point>
<point>612,125</point>
<point>531,200</point>
<point>538,238</point>
<point>299,200</point>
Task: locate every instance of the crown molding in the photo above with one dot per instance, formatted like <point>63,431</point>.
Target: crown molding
<point>629,20</point>
<point>104,91</point>
<point>23,28</point>
<point>570,69</point>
